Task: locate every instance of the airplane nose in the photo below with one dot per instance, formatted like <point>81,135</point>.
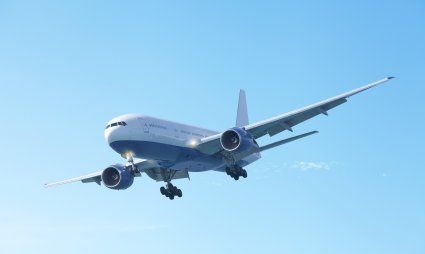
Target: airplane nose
<point>111,134</point>
<point>107,135</point>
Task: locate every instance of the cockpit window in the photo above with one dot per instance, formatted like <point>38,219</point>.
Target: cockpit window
<point>115,124</point>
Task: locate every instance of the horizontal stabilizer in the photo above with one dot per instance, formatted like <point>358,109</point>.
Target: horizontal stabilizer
<point>278,143</point>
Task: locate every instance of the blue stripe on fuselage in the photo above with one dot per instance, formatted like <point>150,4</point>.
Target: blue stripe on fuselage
<point>166,153</point>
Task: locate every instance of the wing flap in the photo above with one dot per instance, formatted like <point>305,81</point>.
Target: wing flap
<point>304,116</point>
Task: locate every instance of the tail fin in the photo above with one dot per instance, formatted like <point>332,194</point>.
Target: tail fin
<point>242,116</point>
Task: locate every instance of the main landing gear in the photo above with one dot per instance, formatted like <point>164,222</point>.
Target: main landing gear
<point>170,191</point>
<point>236,172</point>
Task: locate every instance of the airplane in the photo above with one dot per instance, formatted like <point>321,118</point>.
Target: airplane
<point>166,150</point>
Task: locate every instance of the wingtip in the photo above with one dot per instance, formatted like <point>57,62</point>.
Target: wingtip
<point>390,77</point>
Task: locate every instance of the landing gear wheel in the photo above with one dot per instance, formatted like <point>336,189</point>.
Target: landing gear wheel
<point>171,191</point>
<point>236,172</point>
<point>244,173</point>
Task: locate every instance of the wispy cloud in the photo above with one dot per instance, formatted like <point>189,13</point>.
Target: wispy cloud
<point>311,165</point>
<point>272,169</point>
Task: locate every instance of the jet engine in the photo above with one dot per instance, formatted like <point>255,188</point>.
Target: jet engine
<point>117,177</point>
<point>236,140</point>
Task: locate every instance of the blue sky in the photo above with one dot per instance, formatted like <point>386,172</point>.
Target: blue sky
<point>66,68</point>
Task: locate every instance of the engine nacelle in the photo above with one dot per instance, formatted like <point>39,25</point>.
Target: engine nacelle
<point>117,177</point>
<point>236,140</point>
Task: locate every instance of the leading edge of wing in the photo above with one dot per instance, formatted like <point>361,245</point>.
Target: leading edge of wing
<point>318,104</point>
<point>87,178</point>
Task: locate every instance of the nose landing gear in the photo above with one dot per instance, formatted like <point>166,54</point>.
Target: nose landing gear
<point>236,172</point>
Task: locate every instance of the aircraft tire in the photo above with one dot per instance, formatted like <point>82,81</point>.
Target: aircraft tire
<point>244,173</point>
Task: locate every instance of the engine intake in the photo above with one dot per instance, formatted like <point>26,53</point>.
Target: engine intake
<point>117,177</point>
<point>236,139</point>
<point>230,140</point>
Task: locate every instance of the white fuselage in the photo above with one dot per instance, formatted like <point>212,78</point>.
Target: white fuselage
<point>169,142</point>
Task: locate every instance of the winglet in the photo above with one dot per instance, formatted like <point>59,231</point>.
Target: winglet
<point>242,114</point>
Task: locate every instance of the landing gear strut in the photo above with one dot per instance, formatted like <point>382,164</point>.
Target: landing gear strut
<point>130,164</point>
<point>236,172</point>
<point>170,191</point>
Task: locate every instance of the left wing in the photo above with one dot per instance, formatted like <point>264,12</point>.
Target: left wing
<point>151,168</point>
<point>286,121</point>
<point>277,124</point>
<point>96,176</point>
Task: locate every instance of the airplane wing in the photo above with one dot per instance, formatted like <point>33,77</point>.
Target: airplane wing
<point>93,177</point>
<point>151,168</point>
<point>277,124</point>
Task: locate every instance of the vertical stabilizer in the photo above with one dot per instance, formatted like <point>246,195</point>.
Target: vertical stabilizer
<point>242,116</point>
